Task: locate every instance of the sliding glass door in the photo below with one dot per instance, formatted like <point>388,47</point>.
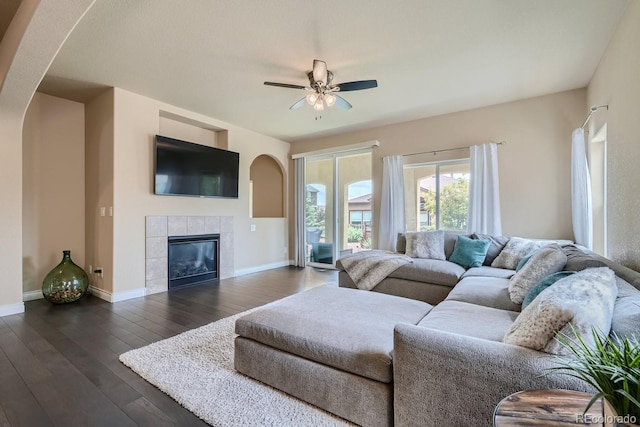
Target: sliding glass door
<point>319,210</point>
<point>337,206</point>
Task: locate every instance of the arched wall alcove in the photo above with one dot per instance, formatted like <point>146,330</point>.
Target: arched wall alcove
<point>267,187</point>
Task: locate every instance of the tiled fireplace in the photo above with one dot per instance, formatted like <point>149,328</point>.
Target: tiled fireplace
<point>160,228</point>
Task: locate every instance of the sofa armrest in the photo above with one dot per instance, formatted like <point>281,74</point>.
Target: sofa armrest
<point>441,378</point>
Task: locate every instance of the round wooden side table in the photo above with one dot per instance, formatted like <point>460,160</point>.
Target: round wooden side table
<point>549,408</point>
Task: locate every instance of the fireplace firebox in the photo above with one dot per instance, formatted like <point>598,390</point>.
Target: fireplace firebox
<point>193,259</point>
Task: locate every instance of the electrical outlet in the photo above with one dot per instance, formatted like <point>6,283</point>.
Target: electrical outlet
<point>90,270</point>
<point>253,227</point>
<point>99,271</point>
<point>285,250</point>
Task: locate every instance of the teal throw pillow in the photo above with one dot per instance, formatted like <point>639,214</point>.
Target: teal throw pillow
<point>469,252</point>
<point>544,284</point>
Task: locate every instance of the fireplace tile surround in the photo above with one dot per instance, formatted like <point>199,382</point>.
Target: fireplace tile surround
<point>159,228</point>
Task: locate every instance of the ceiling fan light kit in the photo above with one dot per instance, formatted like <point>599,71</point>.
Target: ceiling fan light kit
<point>322,90</point>
<point>318,100</point>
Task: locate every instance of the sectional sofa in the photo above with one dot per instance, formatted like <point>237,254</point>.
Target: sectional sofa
<point>427,356</point>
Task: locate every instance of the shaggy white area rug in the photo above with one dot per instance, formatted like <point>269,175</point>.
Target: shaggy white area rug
<point>196,369</point>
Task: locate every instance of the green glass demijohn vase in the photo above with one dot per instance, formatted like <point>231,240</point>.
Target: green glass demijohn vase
<point>66,282</point>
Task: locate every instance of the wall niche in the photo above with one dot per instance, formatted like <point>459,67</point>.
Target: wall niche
<point>267,188</point>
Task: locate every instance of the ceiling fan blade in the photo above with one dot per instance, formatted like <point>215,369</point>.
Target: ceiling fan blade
<point>342,103</point>
<point>287,85</point>
<point>357,85</point>
<point>320,71</point>
<point>299,104</point>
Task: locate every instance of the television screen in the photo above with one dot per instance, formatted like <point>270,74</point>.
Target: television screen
<point>187,169</point>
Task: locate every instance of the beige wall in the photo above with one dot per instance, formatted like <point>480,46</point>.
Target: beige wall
<point>53,186</point>
<point>99,188</point>
<point>11,214</point>
<point>534,164</point>
<point>136,121</point>
<point>29,45</point>
<point>173,128</point>
<point>112,137</point>
<point>616,82</point>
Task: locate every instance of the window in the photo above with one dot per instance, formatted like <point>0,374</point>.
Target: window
<point>598,170</point>
<point>437,195</point>
<point>358,218</point>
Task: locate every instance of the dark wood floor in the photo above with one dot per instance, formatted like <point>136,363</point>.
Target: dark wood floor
<point>59,364</point>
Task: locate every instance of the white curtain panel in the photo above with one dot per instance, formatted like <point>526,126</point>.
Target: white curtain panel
<point>392,219</point>
<point>581,209</point>
<point>484,191</point>
<point>299,198</point>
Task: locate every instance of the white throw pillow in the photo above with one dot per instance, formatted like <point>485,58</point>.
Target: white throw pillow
<point>516,249</point>
<point>583,300</point>
<point>426,244</point>
<point>545,261</point>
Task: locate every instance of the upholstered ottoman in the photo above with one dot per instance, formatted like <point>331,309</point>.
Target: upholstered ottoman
<point>329,346</point>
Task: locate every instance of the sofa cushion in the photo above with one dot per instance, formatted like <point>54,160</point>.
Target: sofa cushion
<point>578,260</point>
<point>467,319</point>
<point>449,242</point>
<point>542,285</point>
<point>347,329</point>
<point>582,301</point>
<point>516,249</point>
<point>486,271</point>
<point>468,252</point>
<point>626,310</point>
<point>544,262</point>
<point>485,291</point>
<point>496,246</point>
<point>401,243</point>
<point>430,271</point>
<point>450,239</point>
<point>426,244</point>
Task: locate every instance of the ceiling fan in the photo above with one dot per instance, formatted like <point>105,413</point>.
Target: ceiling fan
<point>323,91</point>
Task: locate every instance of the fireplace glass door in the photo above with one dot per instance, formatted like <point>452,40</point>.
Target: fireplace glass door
<point>193,259</point>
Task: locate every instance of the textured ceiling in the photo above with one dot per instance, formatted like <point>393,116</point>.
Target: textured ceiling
<point>430,57</point>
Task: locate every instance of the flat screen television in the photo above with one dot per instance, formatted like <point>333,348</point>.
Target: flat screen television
<point>186,169</point>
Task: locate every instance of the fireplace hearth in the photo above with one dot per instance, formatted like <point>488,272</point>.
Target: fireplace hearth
<point>193,259</point>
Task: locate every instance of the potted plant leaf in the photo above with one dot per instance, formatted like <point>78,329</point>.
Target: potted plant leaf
<point>612,367</point>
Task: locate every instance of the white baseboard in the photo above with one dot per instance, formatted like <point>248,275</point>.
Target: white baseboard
<point>262,267</point>
<point>32,295</point>
<point>9,309</point>
<point>119,296</point>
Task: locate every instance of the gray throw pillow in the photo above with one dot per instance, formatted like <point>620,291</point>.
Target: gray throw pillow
<point>401,243</point>
<point>543,262</point>
<point>496,246</point>
<point>578,260</point>
<point>516,249</point>
<point>425,244</point>
<point>626,311</point>
<point>584,300</point>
